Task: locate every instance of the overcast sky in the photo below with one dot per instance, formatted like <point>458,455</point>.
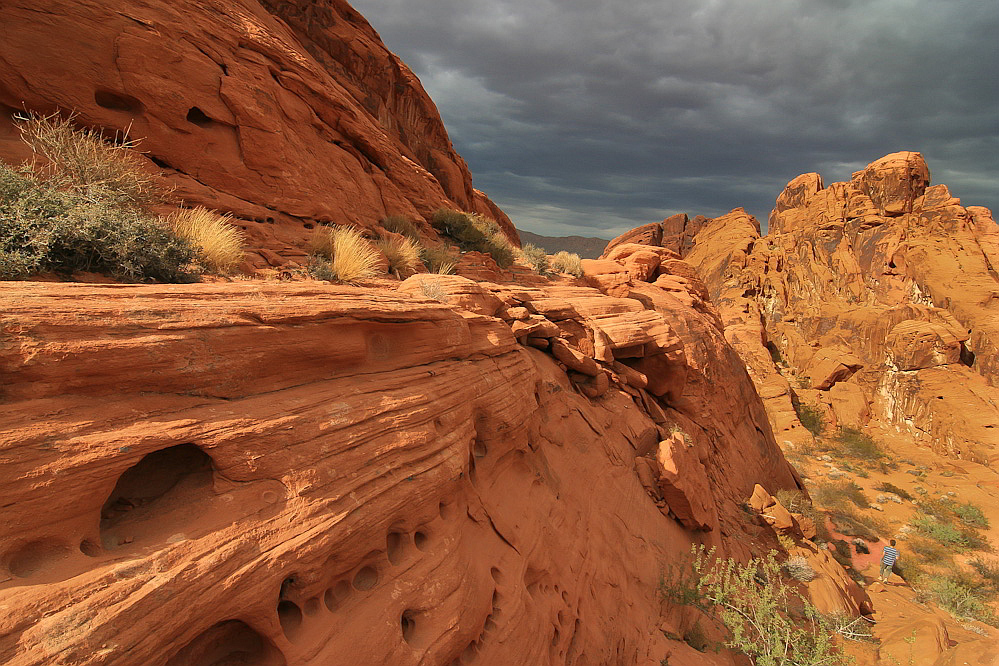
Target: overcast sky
<point>591,117</point>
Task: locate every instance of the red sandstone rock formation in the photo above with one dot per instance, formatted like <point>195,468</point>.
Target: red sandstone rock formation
<point>286,113</point>
<point>881,291</point>
<point>306,474</point>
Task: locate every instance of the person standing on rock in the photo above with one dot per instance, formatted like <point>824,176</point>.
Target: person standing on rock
<point>888,560</point>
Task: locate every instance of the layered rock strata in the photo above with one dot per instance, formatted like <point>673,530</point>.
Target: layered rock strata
<point>304,474</point>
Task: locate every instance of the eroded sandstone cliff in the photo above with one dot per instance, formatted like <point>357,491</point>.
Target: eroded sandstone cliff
<point>307,474</point>
<point>288,114</point>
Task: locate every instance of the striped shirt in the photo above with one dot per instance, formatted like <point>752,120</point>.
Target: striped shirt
<point>891,554</point>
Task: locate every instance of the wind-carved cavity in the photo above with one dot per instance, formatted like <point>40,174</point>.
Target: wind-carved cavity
<point>229,642</point>
<point>155,496</point>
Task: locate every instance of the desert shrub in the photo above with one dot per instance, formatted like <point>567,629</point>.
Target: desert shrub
<point>400,225</point>
<point>537,258</point>
<point>43,229</point>
<point>341,254</point>
<point>842,553</point>
<point>856,444</point>
<point>988,570</point>
<point>84,207</point>
<point>567,262</point>
<point>962,598</point>
<point>767,619</point>
<point>835,495</point>
<point>952,536</point>
<point>886,487</point>
<point>82,161</point>
<point>696,638</point>
<point>794,501</point>
<point>475,233</point>
<point>217,242</point>
<point>804,381</point>
<point>439,259</point>
<point>799,569</point>
<point>403,255</point>
<point>433,291</point>
<point>971,515</point>
<point>810,417</point>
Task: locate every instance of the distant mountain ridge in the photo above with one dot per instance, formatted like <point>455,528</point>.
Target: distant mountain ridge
<point>585,247</point>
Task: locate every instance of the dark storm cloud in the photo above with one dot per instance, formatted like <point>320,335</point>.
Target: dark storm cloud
<point>592,117</point>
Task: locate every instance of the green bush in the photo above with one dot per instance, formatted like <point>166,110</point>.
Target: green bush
<point>767,619</point>
<point>962,598</point>
<point>952,536</point>
<point>86,208</point>
<point>810,417</point>
<point>45,229</point>
<point>474,233</point>
<point>971,515</point>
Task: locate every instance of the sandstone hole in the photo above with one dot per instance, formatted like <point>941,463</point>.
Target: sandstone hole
<point>479,449</point>
<point>89,548</point>
<point>445,510</point>
<point>967,356</point>
<point>468,656</point>
<point>366,578</point>
<point>36,556</point>
<point>421,540</point>
<point>396,546</point>
<point>336,595</point>
<point>117,101</point>
<point>164,481</point>
<point>198,117</point>
<point>309,225</point>
<point>408,623</point>
<point>229,642</point>
<point>496,574</point>
<point>290,617</point>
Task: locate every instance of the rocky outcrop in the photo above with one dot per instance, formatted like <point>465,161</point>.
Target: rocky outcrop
<point>287,113</point>
<point>675,233</point>
<point>880,292</point>
<point>292,473</point>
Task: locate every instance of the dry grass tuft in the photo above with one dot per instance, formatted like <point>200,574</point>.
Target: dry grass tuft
<point>567,262</point>
<point>218,243</point>
<point>83,162</point>
<point>403,255</point>
<point>341,254</point>
<point>439,259</point>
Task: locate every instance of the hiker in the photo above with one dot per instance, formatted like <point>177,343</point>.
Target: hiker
<point>888,560</point>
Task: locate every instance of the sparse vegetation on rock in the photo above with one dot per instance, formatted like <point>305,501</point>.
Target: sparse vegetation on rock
<point>537,258</point>
<point>84,208</point>
<point>217,242</point>
<point>341,254</point>
<point>766,617</point>
<point>567,262</point>
<point>473,232</point>
<point>403,254</point>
